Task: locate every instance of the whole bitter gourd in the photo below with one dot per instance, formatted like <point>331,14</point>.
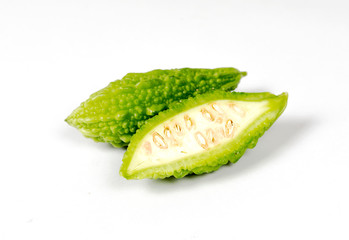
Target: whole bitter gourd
<point>200,134</point>
<point>114,113</point>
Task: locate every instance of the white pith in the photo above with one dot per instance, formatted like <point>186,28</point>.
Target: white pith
<point>194,131</point>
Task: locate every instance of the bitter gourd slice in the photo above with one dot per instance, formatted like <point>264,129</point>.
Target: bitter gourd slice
<point>200,134</point>
<point>114,113</point>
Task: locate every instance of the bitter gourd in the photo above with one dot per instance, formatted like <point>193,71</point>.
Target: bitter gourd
<point>113,114</point>
<point>200,134</point>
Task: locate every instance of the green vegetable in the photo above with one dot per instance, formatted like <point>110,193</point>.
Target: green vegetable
<point>114,113</point>
<point>200,134</point>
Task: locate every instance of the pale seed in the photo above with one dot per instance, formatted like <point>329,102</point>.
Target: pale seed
<point>201,140</point>
<point>229,128</point>
<point>178,129</point>
<point>210,135</point>
<point>217,108</point>
<point>238,110</point>
<point>189,123</point>
<point>219,120</point>
<point>168,133</point>
<point>147,148</point>
<point>159,141</point>
<point>170,137</point>
<point>206,114</point>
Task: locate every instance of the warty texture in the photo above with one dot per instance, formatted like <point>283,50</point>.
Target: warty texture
<point>114,113</point>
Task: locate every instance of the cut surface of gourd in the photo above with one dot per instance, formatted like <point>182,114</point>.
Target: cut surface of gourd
<point>200,134</point>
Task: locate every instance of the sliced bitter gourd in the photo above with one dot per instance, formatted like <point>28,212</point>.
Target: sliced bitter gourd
<point>200,134</point>
<point>114,113</point>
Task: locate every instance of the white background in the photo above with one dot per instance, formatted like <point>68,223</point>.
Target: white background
<point>56,184</point>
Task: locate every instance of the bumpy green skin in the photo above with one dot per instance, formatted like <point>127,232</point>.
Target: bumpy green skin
<point>213,159</point>
<point>114,113</point>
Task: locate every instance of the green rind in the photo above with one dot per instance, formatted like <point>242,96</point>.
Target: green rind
<point>114,113</point>
<point>213,159</point>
